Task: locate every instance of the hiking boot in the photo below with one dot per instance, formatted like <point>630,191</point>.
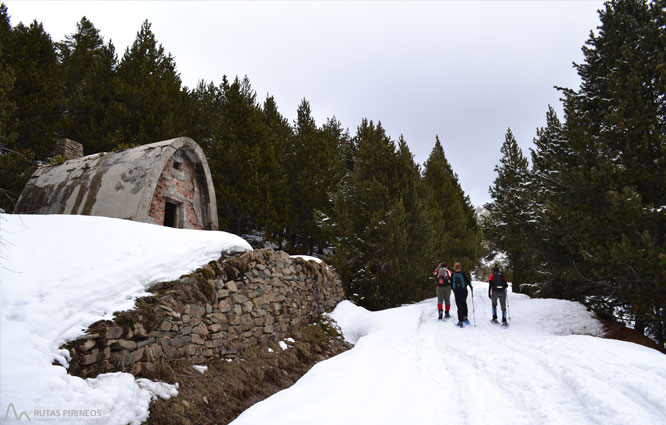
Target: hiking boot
<point>440,314</point>
<point>460,325</point>
<point>447,315</point>
<point>494,320</point>
<point>504,320</point>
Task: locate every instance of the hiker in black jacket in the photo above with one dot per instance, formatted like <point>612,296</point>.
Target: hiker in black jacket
<point>497,285</point>
<point>459,282</point>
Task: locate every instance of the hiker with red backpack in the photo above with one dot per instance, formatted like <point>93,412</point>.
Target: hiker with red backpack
<point>459,282</point>
<point>443,281</point>
<point>497,285</point>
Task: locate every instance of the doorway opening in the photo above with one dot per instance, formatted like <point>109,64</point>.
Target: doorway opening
<point>171,214</point>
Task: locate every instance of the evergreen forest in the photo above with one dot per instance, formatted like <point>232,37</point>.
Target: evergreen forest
<point>356,198</point>
<point>583,218</point>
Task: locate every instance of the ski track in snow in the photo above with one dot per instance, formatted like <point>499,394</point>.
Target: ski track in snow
<point>547,367</point>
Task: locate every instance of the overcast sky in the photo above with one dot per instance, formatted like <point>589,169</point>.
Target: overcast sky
<point>463,70</point>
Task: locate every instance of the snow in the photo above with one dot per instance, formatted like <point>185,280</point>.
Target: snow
<point>307,258</point>
<point>200,369</point>
<point>283,345</point>
<point>58,275</point>
<point>548,367</point>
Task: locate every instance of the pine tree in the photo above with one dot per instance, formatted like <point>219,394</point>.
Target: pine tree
<point>241,162</point>
<point>37,90</point>
<point>313,168</point>
<point>31,104</point>
<point>12,162</point>
<point>508,222</point>
<point>616,125</point>
<point>453,225</point>
<point>149,103</point>
<point>276,206</point>
<point>88,68</point>
<point>380,224</point>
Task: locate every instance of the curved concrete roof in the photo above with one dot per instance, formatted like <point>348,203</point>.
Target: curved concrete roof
<point>113,184</point>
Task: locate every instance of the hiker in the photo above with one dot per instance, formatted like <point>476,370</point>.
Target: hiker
<point>459,282</point>
<point>443,281</point>
<point>497,285</point>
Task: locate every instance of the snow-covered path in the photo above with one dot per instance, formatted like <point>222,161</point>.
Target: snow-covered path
<point>407,367</point>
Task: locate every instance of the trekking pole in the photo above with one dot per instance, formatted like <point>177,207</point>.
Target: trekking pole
<point>473,309</point>
<point>508,310</point>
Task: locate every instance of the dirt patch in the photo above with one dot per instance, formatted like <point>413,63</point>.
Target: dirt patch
<point>615,330</point>
<point>232,385</point>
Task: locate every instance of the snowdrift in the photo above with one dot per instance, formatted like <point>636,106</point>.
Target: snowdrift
<point>58,275</point>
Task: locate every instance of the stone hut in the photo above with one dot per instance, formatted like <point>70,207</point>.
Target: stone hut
<point>166,183</point>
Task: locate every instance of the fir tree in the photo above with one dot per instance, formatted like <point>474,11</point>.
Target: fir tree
<point>616,125</point>
<point>455,236</point>
<point>241,162</point>
<point>149,101</point>
<point>12,162</point>
<point>313,168</point>
<point>37,92</point>
<point>276,206</point>
<point>31,104</point>
<point>89,69</point>
<point>508,221</point>
<point>379,230</point>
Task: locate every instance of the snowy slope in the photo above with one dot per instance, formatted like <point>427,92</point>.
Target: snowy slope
<point>408,368</point>
<point>59,274</point>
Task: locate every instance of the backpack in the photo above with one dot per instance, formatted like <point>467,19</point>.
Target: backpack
<point>458,281</point>
<point>443,276</point>
<point>498,281</point>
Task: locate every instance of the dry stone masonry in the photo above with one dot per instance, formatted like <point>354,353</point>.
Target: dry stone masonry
<point>216,312</point>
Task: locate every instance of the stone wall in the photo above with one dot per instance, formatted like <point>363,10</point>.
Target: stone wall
<point>216,312</point>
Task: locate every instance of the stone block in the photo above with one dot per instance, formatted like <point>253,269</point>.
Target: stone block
<point>197,339</point>
<point>231,286</point>
<point>123,344</point>
<point>217,335</point>
<point>86,346</point>
<point>89,359</point>
<point>145,342</point>
<point>180,341</point>
<point>240,299</point>
<point>137,355</point>
<point>226,305</point>
<point>214,343</point>
<point>219,318</point>
<point>114,332</point>
<point>197,310</point>
<point>200,329</point>
<point>165,326</point>
<point>172,353</point>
